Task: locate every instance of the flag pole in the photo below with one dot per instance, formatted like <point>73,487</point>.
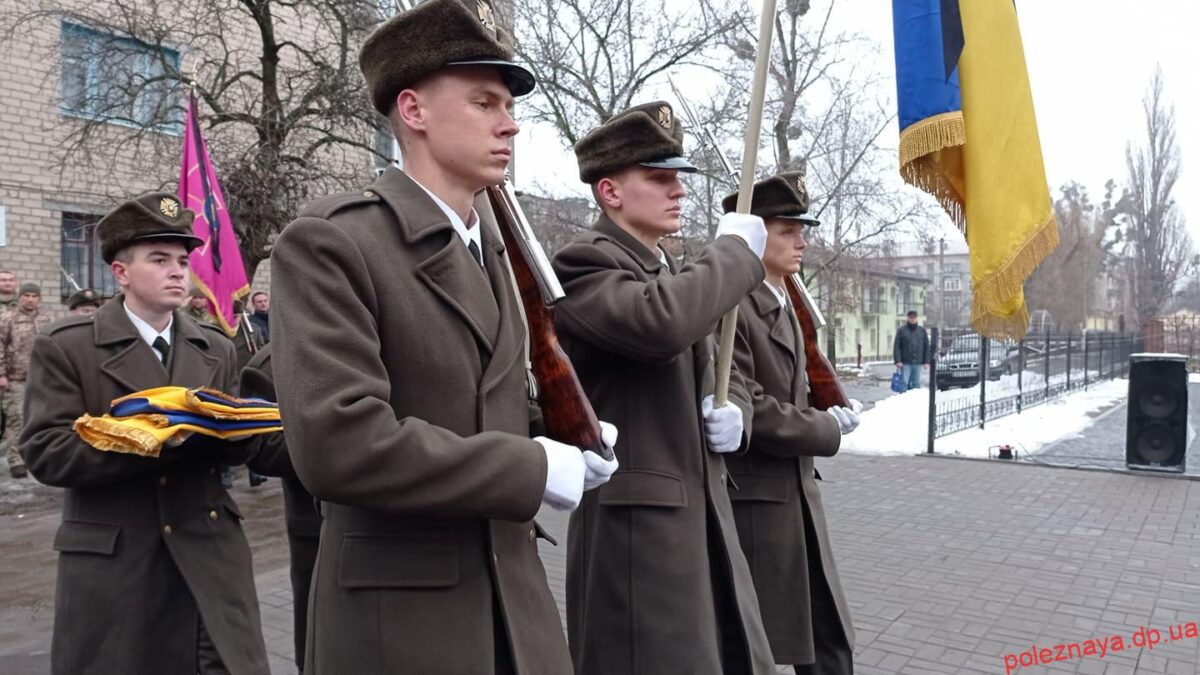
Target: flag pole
<point>762,61</point>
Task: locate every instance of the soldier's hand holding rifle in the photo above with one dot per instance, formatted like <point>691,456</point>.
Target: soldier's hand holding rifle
<point>570,472</point>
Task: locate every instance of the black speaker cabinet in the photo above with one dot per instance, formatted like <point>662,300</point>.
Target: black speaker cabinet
<point>1156,433</point>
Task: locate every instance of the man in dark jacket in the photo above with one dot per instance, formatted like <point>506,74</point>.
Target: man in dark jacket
<point>154,572</point>
<point>911,350</point>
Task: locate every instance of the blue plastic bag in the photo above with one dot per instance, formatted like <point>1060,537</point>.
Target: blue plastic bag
<point>899,384</point>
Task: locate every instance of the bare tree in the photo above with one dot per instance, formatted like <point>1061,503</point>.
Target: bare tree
<point>594,58</point>
<point>829,119</point>
<point>1066,285</point>
<point>282,100</point>
<point>1158,242</point>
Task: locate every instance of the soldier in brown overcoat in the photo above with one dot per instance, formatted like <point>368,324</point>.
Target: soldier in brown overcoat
<point>656,581</point>
<point>398,351</point>
<point>300,515</point>
<point>154,572</point>
<point>777,505</point>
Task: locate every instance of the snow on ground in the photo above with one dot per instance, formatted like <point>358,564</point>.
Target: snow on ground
<point>898,425</point>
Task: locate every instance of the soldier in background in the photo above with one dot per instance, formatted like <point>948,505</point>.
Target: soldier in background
<point>84,302</point>
<point>8,290</point>
<point>17,329</point>
<point>197,307</point>
<point>299,508</point>
<point>776,503</point>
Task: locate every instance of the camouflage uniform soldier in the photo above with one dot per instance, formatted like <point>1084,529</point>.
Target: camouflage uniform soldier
<point>17,329</point>
<point>8,290</point>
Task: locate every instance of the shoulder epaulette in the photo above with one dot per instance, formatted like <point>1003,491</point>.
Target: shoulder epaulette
<point>326,207</point>
<point>70,321</point>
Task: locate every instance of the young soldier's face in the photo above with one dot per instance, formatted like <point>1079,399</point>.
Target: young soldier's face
<point>648,199</point>
<point>8,283</point>
<point>156,274</point>
<point>465,114</point>
<point>785,247</point>
<point>262,302</point>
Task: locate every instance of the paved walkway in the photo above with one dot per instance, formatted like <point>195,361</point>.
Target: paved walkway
<point>952,564</point>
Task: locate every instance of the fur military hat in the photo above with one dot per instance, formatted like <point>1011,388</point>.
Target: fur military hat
<point>29,287</point>
<point>84,296</point>
<point>783,195</point>
<point>437,33</point>
<point>647,134</point>
<point>155,215</point>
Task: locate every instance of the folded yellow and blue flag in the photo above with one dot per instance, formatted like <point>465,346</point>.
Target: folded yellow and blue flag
<point>144,422</point>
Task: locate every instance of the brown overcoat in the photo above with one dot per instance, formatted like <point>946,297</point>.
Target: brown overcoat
<point>640,580</point>
<point>401,377</point>
<point>147,546</point>
<point>300,515</point>
<point>776,475</point>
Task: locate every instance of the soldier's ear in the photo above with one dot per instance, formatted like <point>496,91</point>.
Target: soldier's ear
<point>607,193</point>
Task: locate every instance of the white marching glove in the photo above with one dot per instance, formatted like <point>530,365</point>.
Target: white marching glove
<point>570,472</point>
<point>599,470</point>
<point>847,418</point>
<point>722,426</point>
<point>856,405</point>
<point>750,228</point>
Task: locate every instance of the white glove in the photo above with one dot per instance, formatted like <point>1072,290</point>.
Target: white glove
<point>750,228</point>
<point>856,405</point>
<point>569,472</point>
<point>722,426</point>
<point>847,418</point>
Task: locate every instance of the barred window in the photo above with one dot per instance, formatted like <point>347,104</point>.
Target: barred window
<point>118,80</point>
<point>80,257</point>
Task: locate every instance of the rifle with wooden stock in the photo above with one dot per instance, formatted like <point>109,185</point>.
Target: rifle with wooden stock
<point>825,390</point>
<point>566,410</point>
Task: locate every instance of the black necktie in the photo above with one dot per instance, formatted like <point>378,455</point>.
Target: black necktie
<point>163,348</point>
<point>474,249</point>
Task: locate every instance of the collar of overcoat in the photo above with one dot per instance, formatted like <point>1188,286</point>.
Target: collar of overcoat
<point>136,367</point>
<point>646,257</point>
<point>454,277</point>
<point>768,307</point>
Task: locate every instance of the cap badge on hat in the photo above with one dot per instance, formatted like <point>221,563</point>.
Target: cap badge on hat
<point>664,116</point>
<point>486,17</point>
<point>169,207</point>
<point>800,184</point>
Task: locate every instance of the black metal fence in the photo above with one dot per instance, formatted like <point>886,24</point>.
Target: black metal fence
<point>973,379</point>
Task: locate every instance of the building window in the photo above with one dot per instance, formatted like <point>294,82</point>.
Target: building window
<point>80,257</point>
<point>952,284</point>
<point>118,80</point>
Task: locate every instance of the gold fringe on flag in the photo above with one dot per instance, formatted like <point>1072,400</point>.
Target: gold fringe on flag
<point>931,159</point>
<point>990,295</point>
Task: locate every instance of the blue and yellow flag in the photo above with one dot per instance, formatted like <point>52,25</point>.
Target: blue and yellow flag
<point>969,137</point>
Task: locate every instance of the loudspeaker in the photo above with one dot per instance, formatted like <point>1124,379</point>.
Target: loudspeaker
<point>1156,432</point>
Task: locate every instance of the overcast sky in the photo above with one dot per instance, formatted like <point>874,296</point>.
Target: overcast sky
<point>1090,62</point>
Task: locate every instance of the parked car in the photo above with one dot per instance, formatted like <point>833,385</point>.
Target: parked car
<point>958,364</point>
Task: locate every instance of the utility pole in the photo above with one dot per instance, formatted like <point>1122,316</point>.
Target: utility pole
<point>941,283</point>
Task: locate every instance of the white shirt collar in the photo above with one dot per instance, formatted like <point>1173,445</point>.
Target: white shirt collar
<point>468,232</point>
<point>778,293</point>
<point>146,331</point>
